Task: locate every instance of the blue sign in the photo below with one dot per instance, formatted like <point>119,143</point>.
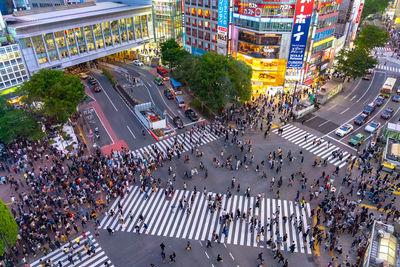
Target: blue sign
<point>301,27</point>
<point>197,51</point>
<point>223,15</point>
<point>323,35</point>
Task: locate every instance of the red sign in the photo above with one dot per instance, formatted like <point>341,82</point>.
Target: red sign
<point>359,12</point>
<point>254,9</point>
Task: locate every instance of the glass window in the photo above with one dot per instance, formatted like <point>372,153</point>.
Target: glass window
<point>144,26</point>
<point>107,33</point>
<point>23,72</point>
<point>81,39</point>
<point>98,35</point>
<point>39,49</point>
<point>61,44</point>
<point>115,33</point>
<point>129,23</point>
<point>73,49</point>
<point>17,54</point>
<point>21,66</point>
<point>122,30</point>
<point>89,38</point>
<point>137,28</point>
<point>19,60</point>
<point>11,75</point>
<point>51,48</point>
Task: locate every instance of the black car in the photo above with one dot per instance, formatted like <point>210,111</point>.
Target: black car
<point>379,100</point>
<point>361,119</point>
<point>191,115</point>
<point>368,109</point>
<point>178,122</point>
<point>168,94</point>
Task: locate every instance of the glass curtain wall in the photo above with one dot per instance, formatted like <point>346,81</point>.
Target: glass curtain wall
<point>61,44</point>
<point>98,35</point>
<point>89,38</point>
<point>51,48</point>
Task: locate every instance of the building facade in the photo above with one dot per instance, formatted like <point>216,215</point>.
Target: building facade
<point>12,67</point>
<point>206,26</point>
<point>167,16</point>
<point>261,38</point>
<point>74,35</point>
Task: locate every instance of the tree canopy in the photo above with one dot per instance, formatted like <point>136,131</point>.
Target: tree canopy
<point>374,6</point>
<point>356,62</point>
<point>216,79</point>
<point>57,93</point>
<point>8,228</point>
<point>171,53</point>
<point>371,36</point>
<point>17,123</point>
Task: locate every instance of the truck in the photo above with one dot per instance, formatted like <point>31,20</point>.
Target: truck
<point>388,86</point>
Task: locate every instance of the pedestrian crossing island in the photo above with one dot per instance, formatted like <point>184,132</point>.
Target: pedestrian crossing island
<point>323,149</point>
<point>237,220</point>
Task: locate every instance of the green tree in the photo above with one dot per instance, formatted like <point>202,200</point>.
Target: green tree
<point>55,93</point>
<point>355,63</point>
<point>171,53</point>
<point>371,36</point>
<point>216,79</point>
<point>8,228</point>
<point>17,123</point>
<point>374,6</point>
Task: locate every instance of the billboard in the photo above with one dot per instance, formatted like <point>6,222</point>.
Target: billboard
<point>256,9</point>
<point>300,30</point>
<point>223,6</point>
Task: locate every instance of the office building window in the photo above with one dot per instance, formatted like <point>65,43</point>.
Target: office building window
<point>39,49</point>
<point>122,29</point>
<point>107,33</point>
<point>81,39</point>
<point>61,44</point>
<point>137,27</point>
<point>98,36</point>
<point>73,48</point>
<point>115,33</point>
<point>129,23</point>
<point>145,30</point>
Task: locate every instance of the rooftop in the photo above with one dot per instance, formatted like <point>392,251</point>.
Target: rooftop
<point>51,15</point>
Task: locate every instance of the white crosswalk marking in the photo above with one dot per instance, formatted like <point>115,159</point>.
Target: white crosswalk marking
<point>297,136</point>
<point>202,221</point>
<point>387,68</point>
<point>78,254</point>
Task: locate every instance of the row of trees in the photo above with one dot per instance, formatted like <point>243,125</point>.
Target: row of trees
<point>49,97</point>
<point>357,62</point>
<point>216,80</point>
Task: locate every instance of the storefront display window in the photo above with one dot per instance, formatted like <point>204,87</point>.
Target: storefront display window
<point>145,31</point>
<point>258,51</point>
<point>137,28</point>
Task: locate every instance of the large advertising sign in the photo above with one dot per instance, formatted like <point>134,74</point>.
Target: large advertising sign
<point>359,12</point>
<point>223,15</point>
<point>301,27</point>
<point>255,9</point>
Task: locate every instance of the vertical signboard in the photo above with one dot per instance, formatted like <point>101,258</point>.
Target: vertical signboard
<point>301,27</point>
<point>223,15</point>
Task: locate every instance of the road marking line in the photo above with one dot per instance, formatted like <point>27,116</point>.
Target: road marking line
<point>323,123</point>
<point>230,254</point>
<point>331,107</point>
<point>105,94</point>
<point>353,89</point>
<point>369,87</point>
<point>206,254</point>
<point>353,97</point>
<point>342,143</point>
<point>313,117</point>
<point>112,140</point>
<point>130,131</point>
<point>344,110</point>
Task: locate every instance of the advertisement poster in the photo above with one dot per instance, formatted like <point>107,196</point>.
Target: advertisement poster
<point>301,27</point>
<point>223,15</point>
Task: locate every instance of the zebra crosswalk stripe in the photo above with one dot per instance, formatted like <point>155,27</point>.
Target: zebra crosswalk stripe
<point>202,222</point>
<point>58,256</point>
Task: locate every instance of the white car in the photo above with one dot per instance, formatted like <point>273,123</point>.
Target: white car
<point>344,129</point>
<point>138,63</point>
<point>372,127</point>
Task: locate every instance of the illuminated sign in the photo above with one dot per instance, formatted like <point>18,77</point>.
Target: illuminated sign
<point>255,9</point>
<point>223,15</point>
<point>300,33</point>
<point>278,20</point>
<point>359,12</point>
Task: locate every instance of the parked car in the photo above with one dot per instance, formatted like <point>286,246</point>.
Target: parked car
<point>191,115</point>
<point>357,139</point>
<point>158,81</point>
<point>344,130</point>
<point>368,109</point>
<point>372,127</point>
<point>178,122</point>
<point>168,94</point>
<point>387,113</point>
<point>396,98</point>
<point>379,100</point>
<point>97,89</point>
<point>138,63</point>
<point>360,120</point>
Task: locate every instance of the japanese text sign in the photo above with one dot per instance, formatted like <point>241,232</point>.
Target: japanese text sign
<point>223,15</point>
<point>301,27</point>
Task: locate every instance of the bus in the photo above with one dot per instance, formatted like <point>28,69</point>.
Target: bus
<point>176,86</point>
<point>387,87</point>
<point>163,73</point>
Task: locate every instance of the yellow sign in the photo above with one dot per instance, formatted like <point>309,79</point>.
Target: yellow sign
<point>323,41</point>
<point>397,20</point>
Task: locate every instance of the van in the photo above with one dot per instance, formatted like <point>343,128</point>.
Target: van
<point>180,101</point>
<point>158,81</point>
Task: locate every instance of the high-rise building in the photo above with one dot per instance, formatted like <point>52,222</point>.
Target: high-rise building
<point>261,37</point>
<point>167,16</point>
<point>207,26</point>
